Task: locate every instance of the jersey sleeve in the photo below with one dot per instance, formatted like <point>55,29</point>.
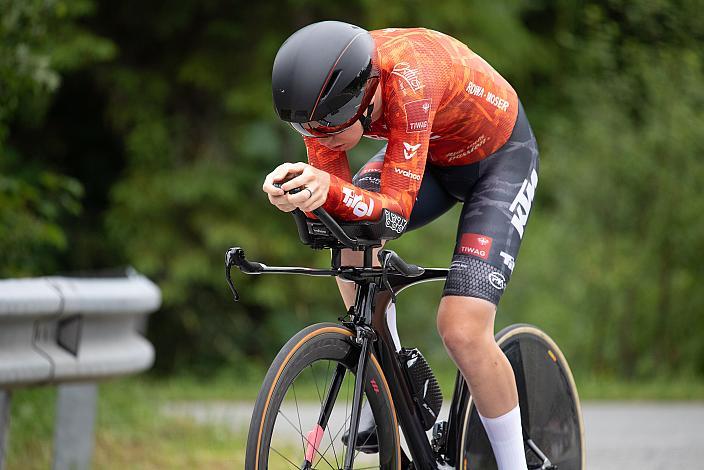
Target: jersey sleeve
<point>411,94</point>
<point>331,161</point>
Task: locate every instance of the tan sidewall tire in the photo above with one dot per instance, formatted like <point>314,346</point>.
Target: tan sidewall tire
<point>273,377</point>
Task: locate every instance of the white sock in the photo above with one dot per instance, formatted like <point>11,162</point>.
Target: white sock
<point>506,437</point>
<point>391,323</point>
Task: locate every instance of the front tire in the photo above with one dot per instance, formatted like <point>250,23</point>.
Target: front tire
<point>292,396</point>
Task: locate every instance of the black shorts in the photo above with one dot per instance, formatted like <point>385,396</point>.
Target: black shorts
<point>497,193</point>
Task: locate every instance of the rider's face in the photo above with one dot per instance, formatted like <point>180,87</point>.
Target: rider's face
<point>345,140</point>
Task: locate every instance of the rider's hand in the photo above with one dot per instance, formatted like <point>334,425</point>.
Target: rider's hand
<point>276,195</point>
<point>316,182</point>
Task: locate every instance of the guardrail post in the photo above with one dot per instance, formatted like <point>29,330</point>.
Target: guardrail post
<point>4,424</point>
<point>73,432</point>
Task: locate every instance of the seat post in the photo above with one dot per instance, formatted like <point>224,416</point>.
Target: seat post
<point>368,251</point>
<point>336,258</point>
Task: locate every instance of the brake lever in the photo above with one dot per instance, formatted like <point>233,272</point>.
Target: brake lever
<point>290,191</point>
<point>385,275</point>
<point>230,257</point>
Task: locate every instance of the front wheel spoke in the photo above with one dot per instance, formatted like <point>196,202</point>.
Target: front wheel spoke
<point>300,426</point>
<point>317,388</point>
<point>299,431</point>
<point>285,458</point>
<point>366,440</point>
<point>332,441</point>
<point>337,462</point>
<point>306,439</point>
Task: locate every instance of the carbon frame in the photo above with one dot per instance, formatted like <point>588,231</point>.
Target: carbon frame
<point>422,453</point>
<point>371,303</point>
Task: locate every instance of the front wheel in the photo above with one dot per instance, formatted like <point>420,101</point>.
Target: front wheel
<point>550,410</point>
<point>305,405</point>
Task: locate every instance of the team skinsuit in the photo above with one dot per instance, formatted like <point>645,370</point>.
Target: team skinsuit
<point>455,131</point>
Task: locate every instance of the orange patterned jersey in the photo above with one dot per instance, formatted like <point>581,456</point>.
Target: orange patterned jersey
<point>442,104</point>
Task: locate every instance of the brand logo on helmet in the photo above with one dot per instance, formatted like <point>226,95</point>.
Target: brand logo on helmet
<point>409,150</point>
<point>409,75</point>
<point>356,202</point>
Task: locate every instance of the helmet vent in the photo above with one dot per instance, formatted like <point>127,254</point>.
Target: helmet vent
<point>331,83</point>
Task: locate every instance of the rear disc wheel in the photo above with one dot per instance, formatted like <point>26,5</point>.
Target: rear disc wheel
<point>550,408</point>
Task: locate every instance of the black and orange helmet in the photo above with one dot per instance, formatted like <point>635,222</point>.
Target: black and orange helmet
<point>324,78</point>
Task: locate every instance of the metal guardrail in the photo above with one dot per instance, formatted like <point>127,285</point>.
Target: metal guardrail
<point>71,332</point>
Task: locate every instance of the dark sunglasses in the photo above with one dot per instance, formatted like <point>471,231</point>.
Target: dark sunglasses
<point>341,119</point>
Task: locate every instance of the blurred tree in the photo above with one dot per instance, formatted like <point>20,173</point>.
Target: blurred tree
<point>622,173</point>
<point>38,40</point>
<point>140,132</point>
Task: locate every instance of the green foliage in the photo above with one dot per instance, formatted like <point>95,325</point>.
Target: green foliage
<point>32,202</point>
<point>624,176</point>
<point>180,120</point>
<point>38,40</point>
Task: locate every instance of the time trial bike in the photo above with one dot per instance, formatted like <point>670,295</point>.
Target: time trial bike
<point>307,414</point>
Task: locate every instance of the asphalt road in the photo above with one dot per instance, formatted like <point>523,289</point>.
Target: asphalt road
<point>619,435</point>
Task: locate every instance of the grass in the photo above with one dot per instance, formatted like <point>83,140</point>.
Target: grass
<point>656,389</point>
<point>130,430</point>
<point>132,433</point>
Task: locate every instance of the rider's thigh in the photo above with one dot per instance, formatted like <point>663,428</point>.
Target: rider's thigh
<point>494,217</point>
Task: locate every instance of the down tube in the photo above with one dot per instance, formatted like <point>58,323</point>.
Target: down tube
<point>413,431</point>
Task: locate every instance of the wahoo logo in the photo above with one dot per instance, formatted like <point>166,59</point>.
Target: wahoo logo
<point>407,174</point>
<point>520,207</point>
<point>356,202</point>
<point>409,151</point>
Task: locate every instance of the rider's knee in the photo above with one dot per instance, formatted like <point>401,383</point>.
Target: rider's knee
<point>466,325</point>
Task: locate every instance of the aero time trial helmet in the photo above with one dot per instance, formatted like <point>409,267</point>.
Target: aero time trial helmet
<point>324,78</point>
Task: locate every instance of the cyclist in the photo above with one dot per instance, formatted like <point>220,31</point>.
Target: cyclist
<point>455,132</point>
